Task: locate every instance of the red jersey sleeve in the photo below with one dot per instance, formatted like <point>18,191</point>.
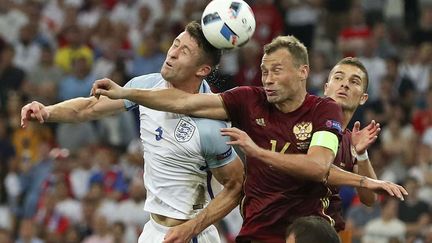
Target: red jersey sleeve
<point>238,100</point>
<point>328,117</point>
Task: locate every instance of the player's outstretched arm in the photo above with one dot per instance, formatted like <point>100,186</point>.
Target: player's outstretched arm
<point>339,177</point>
<point>170,100</point>
<point>231,177</point>
<point>74,110</point>
<point>362,139</point>
<point>314,165</point>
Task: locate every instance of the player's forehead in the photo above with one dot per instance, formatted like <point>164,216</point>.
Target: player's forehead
<point>348,70</point>
<point>187,40</point>
<point>280,57</point>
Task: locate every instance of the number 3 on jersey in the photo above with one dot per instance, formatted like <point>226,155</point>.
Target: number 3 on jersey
<point>159,135</point>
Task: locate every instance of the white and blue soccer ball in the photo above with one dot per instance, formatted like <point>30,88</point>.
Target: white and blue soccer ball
<point>228,24</point>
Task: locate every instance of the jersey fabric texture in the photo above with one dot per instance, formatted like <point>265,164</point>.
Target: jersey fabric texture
<point>345,159</point>
<point>273,199</point>
<point>178,151</point>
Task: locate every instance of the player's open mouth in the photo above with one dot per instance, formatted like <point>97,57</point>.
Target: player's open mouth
<point>270,92</point>
<point>340,94</point>
<point>169,65</point>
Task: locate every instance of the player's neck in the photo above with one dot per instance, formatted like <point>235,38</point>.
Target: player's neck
<point>190,87</point>
<point>292,104</point>
<point>347,115</point>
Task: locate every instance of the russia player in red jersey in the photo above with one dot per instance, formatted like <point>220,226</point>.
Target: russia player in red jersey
<point>347,85</point>
<point>296,137</point>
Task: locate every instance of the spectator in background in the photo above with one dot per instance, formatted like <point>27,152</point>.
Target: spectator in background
<point>142,27</point>
<point>380,109</point>
<point>150,57</point>
<point>12,77</point>
<point>27,232</point>
<point>79,81</point>
<point>352,39</point>
<point>130,211</point>
<point>27,49</point>
<point>90,13</point>
<point>336,16</point>
<point>416,67</point>
<point>5,236</point>
<point>397,143</point>
<point>318,73</point>
<point>89,205</point>
<point>403,87</point>
<point>414,212</point>
<point>12,18</point>
<point>301,19</point>
<point>101,231</point>
<point>72,235</point>
<point>423,33</point>
<point>387,226</point>
<point>7,154</point>
<point>118,231</point>
<point>45,77</point>
<point>74,135</point>
<point>269,22</point>
<point>422,118</point>
<point>358,216</point>
<point>249,73</point>
<point>109,175</point>
<point>374,64</point>
<point>81,172</point>
<point>73,49</point>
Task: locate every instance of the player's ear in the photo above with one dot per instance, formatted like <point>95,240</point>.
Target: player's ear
<point>304,72</point>
<point>363,98</point>
<point>203,70</point>
<point>325,88</point>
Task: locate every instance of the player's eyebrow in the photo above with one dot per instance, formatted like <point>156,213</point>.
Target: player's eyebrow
<point>343,73</point>
<point>177,41</point>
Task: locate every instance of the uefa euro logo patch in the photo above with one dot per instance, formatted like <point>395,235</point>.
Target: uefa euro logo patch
<point>184,131</point>
<point>334,125</point>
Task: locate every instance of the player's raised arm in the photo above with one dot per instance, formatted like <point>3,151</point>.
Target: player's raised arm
<point>74,110</point>
<point>170,100</point>
<point>314,165</point>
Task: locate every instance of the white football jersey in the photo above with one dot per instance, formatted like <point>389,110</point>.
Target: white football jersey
<point>178,151</point>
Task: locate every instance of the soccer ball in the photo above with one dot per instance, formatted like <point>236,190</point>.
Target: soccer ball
<point>228,24</point>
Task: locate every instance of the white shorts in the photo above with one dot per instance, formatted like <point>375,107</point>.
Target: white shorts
<point>155,233</point>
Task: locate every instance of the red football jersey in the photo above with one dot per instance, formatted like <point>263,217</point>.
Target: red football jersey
<point>273,199</point>
<point>346,160</point>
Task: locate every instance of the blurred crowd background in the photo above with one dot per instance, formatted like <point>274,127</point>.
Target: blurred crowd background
<point>83,182</point>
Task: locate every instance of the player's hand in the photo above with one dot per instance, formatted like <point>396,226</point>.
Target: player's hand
<point>32,112</point>
<point>240,138</point>
<point>387,187</point>
<point>362,139</point>
<point>182,233</point>
<point>108,88</point>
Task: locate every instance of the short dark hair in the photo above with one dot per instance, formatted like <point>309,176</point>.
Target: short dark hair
<point>210,53</point>
<point>353,61</point>
<point>312,229</point>
<point>297,49</point>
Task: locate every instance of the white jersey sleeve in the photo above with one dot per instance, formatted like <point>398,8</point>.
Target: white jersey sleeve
<point>142,82</point>
<point>213,145</point>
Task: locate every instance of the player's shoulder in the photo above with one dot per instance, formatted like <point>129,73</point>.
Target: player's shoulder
<point>209,127</point>
<point>147,81</point>
<point>317,102</point>
<point>246,92</point>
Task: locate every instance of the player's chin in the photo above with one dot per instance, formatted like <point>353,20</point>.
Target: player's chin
<point>272,99</point>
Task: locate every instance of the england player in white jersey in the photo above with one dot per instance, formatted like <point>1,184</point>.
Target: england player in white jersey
<point>179,150</point>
